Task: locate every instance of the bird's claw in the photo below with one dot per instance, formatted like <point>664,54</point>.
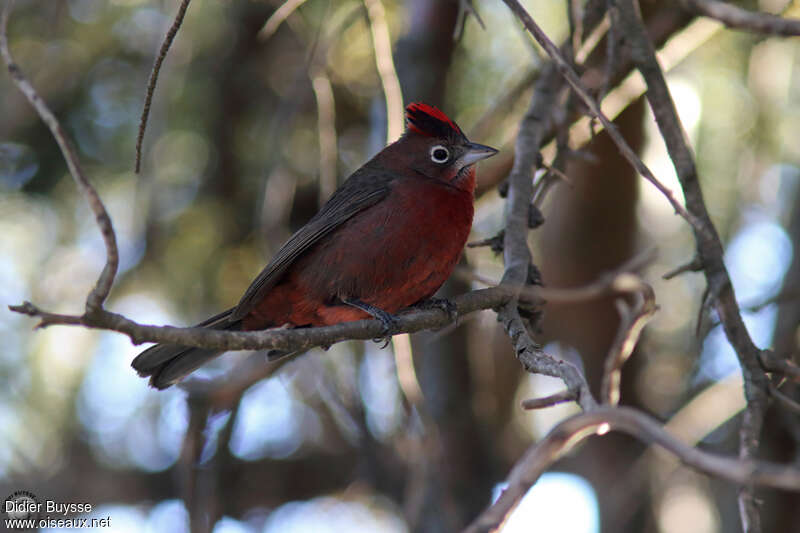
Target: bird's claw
<point>390,328</point>
<point>441,303</point>
<point>388,321</point>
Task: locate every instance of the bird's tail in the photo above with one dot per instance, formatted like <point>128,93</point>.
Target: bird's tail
<point>166,364</point>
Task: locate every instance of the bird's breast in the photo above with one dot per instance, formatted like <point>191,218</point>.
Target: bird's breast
<point>390,255</point>
<point>401,249</point>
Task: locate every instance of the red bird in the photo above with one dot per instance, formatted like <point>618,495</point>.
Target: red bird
<point>388,238</point>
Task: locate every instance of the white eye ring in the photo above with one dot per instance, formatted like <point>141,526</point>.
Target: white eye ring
<point>440,154</point>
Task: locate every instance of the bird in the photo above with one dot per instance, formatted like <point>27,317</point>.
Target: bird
<point>387,239</point>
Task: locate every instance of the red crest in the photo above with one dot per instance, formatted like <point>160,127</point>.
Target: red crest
<point>429,121</point>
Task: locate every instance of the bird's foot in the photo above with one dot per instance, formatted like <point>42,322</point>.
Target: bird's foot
<point>388,321</point>
<point>440,303</point>
<point>390,328</point>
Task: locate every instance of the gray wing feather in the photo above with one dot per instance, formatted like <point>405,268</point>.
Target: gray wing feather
<point>364,188</point>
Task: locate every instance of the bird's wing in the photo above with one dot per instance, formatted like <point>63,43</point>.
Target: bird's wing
<point>364,188</point>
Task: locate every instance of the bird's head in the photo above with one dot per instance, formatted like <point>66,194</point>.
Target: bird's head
<point>435,147</point>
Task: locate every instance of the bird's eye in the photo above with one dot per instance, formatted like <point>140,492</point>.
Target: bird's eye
<point>439,154</point>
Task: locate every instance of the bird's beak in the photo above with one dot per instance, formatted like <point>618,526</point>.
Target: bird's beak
<point>475,152</point>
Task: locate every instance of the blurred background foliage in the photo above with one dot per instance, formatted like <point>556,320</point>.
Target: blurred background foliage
<point>336,441</point>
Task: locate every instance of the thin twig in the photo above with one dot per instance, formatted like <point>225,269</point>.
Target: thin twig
<point>465,9</point>
<point>611,50</point>
<point>567,395</point>
<point>326,130</point>
<point>101,289</point>
<point>406,373</point>
<point>576,429</point>
<point>695,265</point>
<point>591,41</point>
<point>382,45</point>
<point>785,367</point>
<point>786,401</point>
<point>575,20</point>
<point>556,170</point>
<point>572,78</point>
<point>610,282</point>
<point>194,441</point>
<point>633,319</point>
<point>535,361</point>
<point>494,243</point>
<point>736,17</point>
<point>277,18</point>
<point>151,82</point>
<point>632,87</point>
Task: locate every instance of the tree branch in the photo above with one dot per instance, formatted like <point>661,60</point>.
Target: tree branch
<point>99,293</point>
<point>382,46</point>
<point>580,89</point>
<point>273,22</point>
<point>785,367</point>
<point>326,133</point>
<point>567,395</point>
<point>567,434</point>
<point>279,339</point>
<point>516,254</point>
<point>742,19</point>
<point>633,319</point>
<point>151,83</point>
<point>709,247</point>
